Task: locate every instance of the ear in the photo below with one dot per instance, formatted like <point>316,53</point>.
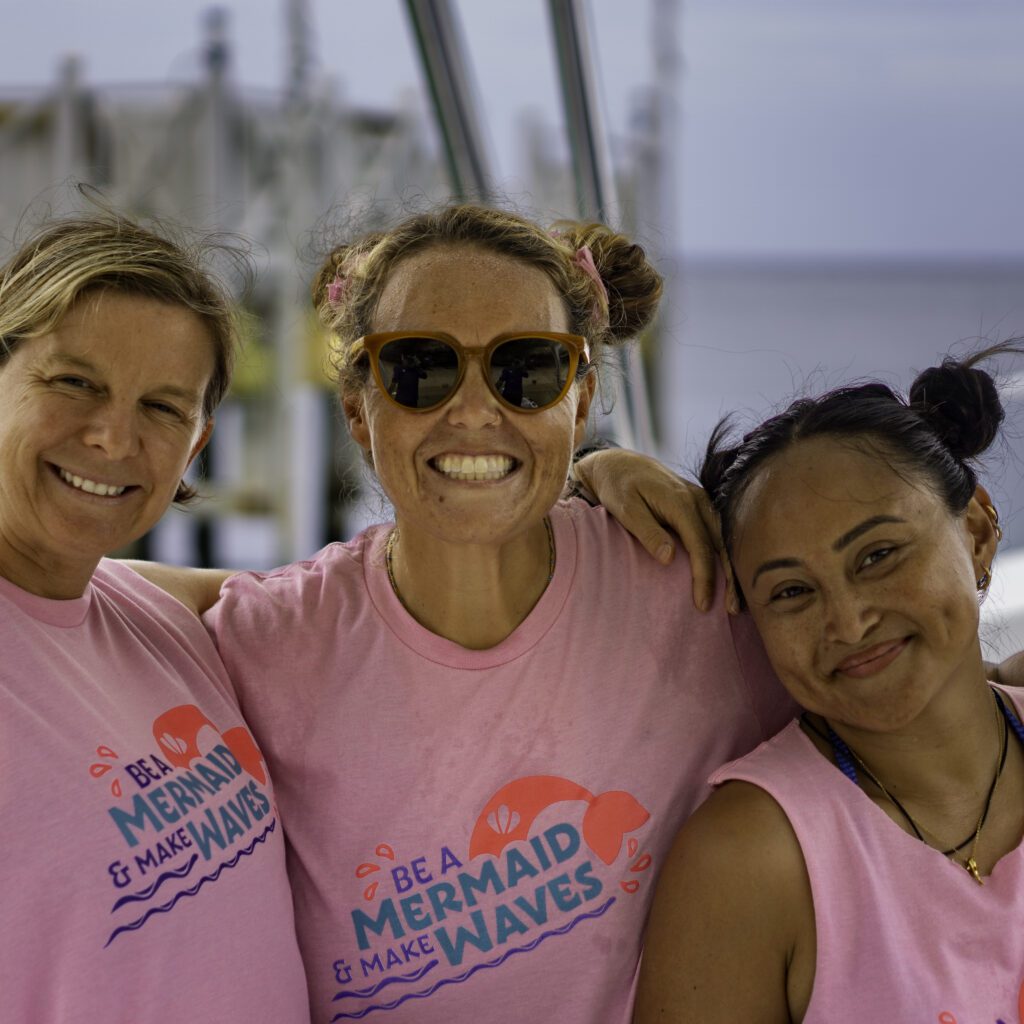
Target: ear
<point>981,529</point>
<point>202,440</point>
<point>584,396</point>
<point>353,405</point>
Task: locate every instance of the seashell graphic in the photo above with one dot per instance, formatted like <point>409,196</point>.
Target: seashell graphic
<point>503,820</point>
<point>632,846</point>
<point>98,770</point>
<point>630,886</point>
<point>179,746</point>
<point>370,891</point>
<point>366,869</point>
<point>642,864</point>
<point>105,751</point>
<point>383,850</point>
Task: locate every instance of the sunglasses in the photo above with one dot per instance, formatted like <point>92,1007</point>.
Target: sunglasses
<point>421,370</point>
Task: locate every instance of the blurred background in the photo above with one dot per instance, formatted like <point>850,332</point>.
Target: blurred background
<point>831,187</point>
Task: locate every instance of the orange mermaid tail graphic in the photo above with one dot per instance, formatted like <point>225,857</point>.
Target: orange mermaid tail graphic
<point>510,813</point>
<point>177,733</point>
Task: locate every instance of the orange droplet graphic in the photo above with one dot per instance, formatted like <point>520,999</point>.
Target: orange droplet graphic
<point>370,891</point>
<point>366,869</point>
<point>385,851</point>
<point>104,751</point>
<point>630,886</point>
<point>115,788</point>
<point>642,864</point>
<point>96,770</point>
<point>632,846</point>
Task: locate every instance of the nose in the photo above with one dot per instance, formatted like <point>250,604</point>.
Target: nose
<point>113,429</point>
<point>849,615</point>
<point>473,405</point>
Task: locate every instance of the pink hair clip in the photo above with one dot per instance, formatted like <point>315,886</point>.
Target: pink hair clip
<point>336,289</point>
<point>584,259</point>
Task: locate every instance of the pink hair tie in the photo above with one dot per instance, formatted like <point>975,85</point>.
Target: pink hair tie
<point>584,259</point>
<point>336,289</point>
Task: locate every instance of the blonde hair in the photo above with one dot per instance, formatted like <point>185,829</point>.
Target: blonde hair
<point>66,259</point>
<point>359,271</point>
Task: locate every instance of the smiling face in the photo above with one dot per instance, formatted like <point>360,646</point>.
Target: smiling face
<point>472,470</point>
<point>861,582</point>
<point>98,422</point>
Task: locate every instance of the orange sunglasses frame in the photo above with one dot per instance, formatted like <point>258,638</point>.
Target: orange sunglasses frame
<point>371,344</point>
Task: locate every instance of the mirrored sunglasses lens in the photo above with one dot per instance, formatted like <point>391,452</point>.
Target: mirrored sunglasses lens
<point>418,372</point>
<point>530,373</point>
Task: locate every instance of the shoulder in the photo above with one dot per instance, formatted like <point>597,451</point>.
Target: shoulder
<point>604,543</point>
<point>741,836</point>
<point>732,913</point>
<point>304,591</point>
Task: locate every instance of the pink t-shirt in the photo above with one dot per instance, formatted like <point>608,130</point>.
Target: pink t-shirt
<point>903,934</point>
<point>474,835</point>
<point>142,870</point>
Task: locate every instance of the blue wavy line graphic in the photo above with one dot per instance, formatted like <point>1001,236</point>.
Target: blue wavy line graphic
<point>477,967</point>
<point>365,993</point>
<point>138,897</point>
<point>166,907</point>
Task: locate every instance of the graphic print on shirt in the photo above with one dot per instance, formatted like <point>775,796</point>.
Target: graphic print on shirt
<point>544,857</point>
<point>188,811</point>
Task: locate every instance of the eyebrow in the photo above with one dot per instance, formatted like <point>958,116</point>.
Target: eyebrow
<point>844,541</point>
<point>869,524</point>
<point>171,390</point>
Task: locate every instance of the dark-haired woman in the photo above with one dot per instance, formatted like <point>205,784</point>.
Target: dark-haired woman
<point>865,864</point>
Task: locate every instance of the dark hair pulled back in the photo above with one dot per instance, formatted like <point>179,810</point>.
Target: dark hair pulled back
<point>951,415</point>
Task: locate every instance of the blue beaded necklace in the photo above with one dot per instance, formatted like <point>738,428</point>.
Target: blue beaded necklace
<point>847,762</point>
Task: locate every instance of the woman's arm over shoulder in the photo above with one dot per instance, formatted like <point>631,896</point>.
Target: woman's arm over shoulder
<point>650,500</point>
<point>731,932</point>
<point>196,589</point>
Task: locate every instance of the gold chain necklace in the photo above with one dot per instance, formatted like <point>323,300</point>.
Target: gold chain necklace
<point>840,747</point>
<point>389,559</point>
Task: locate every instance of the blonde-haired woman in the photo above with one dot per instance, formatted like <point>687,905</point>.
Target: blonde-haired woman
<point>143,861</point>
<point>485,720</point>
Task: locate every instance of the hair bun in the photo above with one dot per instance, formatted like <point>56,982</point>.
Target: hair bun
<point>961,404</point>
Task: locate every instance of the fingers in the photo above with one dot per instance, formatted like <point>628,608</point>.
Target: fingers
<point>687,511</point>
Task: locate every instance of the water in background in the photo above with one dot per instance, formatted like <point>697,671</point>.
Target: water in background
<point>747,337</point>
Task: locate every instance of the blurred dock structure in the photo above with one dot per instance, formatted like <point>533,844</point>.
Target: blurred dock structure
<point>286,168</point>
<point>268,164</point>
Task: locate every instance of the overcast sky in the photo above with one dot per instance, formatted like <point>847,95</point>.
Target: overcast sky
<point>809,127</point>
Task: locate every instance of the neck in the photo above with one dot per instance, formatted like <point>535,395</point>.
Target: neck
<point>55,579</point>
<point>941,764</point>
<point>472,594</point>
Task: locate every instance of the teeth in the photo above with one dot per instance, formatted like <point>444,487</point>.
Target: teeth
<point>474,467</point>
<point>91,486</point>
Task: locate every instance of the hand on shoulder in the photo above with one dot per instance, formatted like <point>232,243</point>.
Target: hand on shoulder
<point>653,504</point>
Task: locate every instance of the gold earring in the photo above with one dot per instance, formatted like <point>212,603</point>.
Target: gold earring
<point>990,511</point>
<point>985,579</point>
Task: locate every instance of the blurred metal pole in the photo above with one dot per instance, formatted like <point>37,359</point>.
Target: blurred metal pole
<point>443,54</point>
<point>69,158</point>
<point>596,194</point>
<point>217,59</point>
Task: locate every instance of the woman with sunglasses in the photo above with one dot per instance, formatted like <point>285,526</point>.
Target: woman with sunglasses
<point>484,720</point>
<point>866,863</point>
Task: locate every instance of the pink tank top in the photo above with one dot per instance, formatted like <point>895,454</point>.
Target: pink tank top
<point>903,934</point>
